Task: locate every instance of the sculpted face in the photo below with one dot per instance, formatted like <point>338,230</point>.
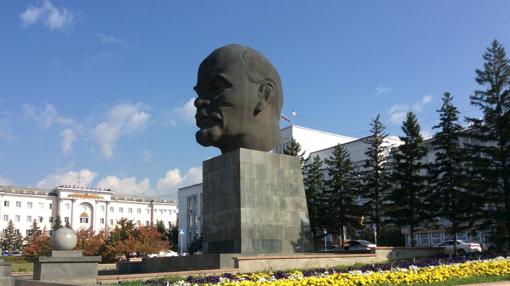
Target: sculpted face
<point>229,103</point>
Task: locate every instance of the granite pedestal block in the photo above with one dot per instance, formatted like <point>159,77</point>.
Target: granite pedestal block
<point>66,266</point>
<point>254,203</point>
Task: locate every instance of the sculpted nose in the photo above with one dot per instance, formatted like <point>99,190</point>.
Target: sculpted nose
<point>201,102</point>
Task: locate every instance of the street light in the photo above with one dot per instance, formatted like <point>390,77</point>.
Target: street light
<point>325,233</point>
<point>181,234</point>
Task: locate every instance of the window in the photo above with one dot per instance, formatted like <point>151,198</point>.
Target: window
<point>161,211</point>
<point>18,204</point>
<point>6,218</point>
<point>436,238</point>
<point>29,205</point>
<point>148,211</point>
<point>6,203</point>
<point>41,219</point>
<point>121,210</point>
<point>102,208</point>
<point>138,222</point>
<point>41,205</point>
<point>146,222</point>
<point>17,231</point>
<point>102,221</point>
<point>51,205</point>
<point>424,239</point>
<point>138,210</point>
<point>28,232</point>
<point>84,220</point>
<point>17,218</point>
<point>111,222</point>
<point>29,218</point>
<point>111,209</point>
<point>50,232</point>
<point>130,210</point>
<point>50,219</point>
<point>66,219</point>
<point>68,206</point>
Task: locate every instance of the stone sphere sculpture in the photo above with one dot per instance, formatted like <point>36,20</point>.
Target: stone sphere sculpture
<point>64,239</point>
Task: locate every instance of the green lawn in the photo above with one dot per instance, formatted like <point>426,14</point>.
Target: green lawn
<point>19,263</point>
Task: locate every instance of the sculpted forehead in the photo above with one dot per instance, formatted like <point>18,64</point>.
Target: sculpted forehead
<point>223,60</point>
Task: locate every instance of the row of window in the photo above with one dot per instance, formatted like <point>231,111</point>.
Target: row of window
<point>17,218</point>
<point>29,204</point>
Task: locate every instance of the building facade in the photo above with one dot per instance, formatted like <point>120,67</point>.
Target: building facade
<point>80,207</point>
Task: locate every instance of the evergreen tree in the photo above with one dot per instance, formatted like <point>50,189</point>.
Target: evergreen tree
<point>172,235</point>
<point>160,227</point>
<point>493,132</point>
<point>374,176</point>
<point>57,223</point>
<point>314,186</point>
<point>293,148</point>
<point>407,205</point>
<point>68,225</point>
<point>453,200</point>
<point>11,238</point>
<point>340,193</point>
<point>33,232</point>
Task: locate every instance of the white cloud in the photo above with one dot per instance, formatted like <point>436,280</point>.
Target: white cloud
<point>398,112</point>
<point>123,119</point>
<point>186,112</point>
<point>173,180</point>
<point>105,39</point>
<point>420,104</point>
<point>5,182</point>
<point>382,90</point>
<point>47,116</point>
<point>68,138</point>
<point>83,177</point>
<point>427,134</point>
<point>125,186</point>
<point>52,17</point>
<point>146,156</point>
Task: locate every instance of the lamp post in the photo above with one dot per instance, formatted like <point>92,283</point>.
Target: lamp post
<point>181,234</point>
<point>325,243</point>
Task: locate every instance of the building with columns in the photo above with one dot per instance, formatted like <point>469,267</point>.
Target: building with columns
<point>82,208</point>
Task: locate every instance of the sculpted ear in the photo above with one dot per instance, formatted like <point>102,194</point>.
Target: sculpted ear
<point>265,95</point>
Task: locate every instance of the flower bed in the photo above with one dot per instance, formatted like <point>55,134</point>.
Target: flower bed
<point>424,271</point>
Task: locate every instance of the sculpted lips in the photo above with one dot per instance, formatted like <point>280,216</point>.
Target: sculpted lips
<point>206,119</point>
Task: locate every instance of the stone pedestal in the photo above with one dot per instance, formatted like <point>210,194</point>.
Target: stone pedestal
<point>66,266</point>
<point>254,203</point>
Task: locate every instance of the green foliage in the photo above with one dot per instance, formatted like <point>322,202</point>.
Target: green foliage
<point>448,181</point>
<point>11,238</point>
<point>195,245</point>
<point>374,177</point>
<point>293,148</point>
<point>408,204</point>
<point>57,223</point>
<point>493,132</point>
<point>34,231</point>
<point>172,235</point>
<point>340,193</point>
<point>314,187</point>
<point>160,226</point>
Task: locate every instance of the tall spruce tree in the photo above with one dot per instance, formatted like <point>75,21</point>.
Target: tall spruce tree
<point>448,181</point>
<point>11,238</point>
<point>293,148</point>
<point>57,223</point>
<point>493,132</point>
<point>340,193</point>
<point>34,231</point>
<point>314,187</point>
<point>407,204</point>
<point>374,176</point>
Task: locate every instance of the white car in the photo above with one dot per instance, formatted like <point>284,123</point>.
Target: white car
<point>359,245</point>
<point>462,247</point>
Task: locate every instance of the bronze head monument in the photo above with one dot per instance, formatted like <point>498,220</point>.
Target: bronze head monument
<point>239,100</point>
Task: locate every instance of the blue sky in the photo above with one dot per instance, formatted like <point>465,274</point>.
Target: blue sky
<point>101,91</point>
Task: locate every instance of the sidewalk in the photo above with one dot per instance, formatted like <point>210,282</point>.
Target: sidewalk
<point>501,283</point>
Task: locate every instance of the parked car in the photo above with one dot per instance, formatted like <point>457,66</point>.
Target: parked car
<point>359,245</point>
<point>5,253</point>
<point>462,247</point>
<point>331,249</point>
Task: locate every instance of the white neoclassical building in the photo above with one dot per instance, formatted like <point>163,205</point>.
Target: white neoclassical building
<point>89,208</point>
